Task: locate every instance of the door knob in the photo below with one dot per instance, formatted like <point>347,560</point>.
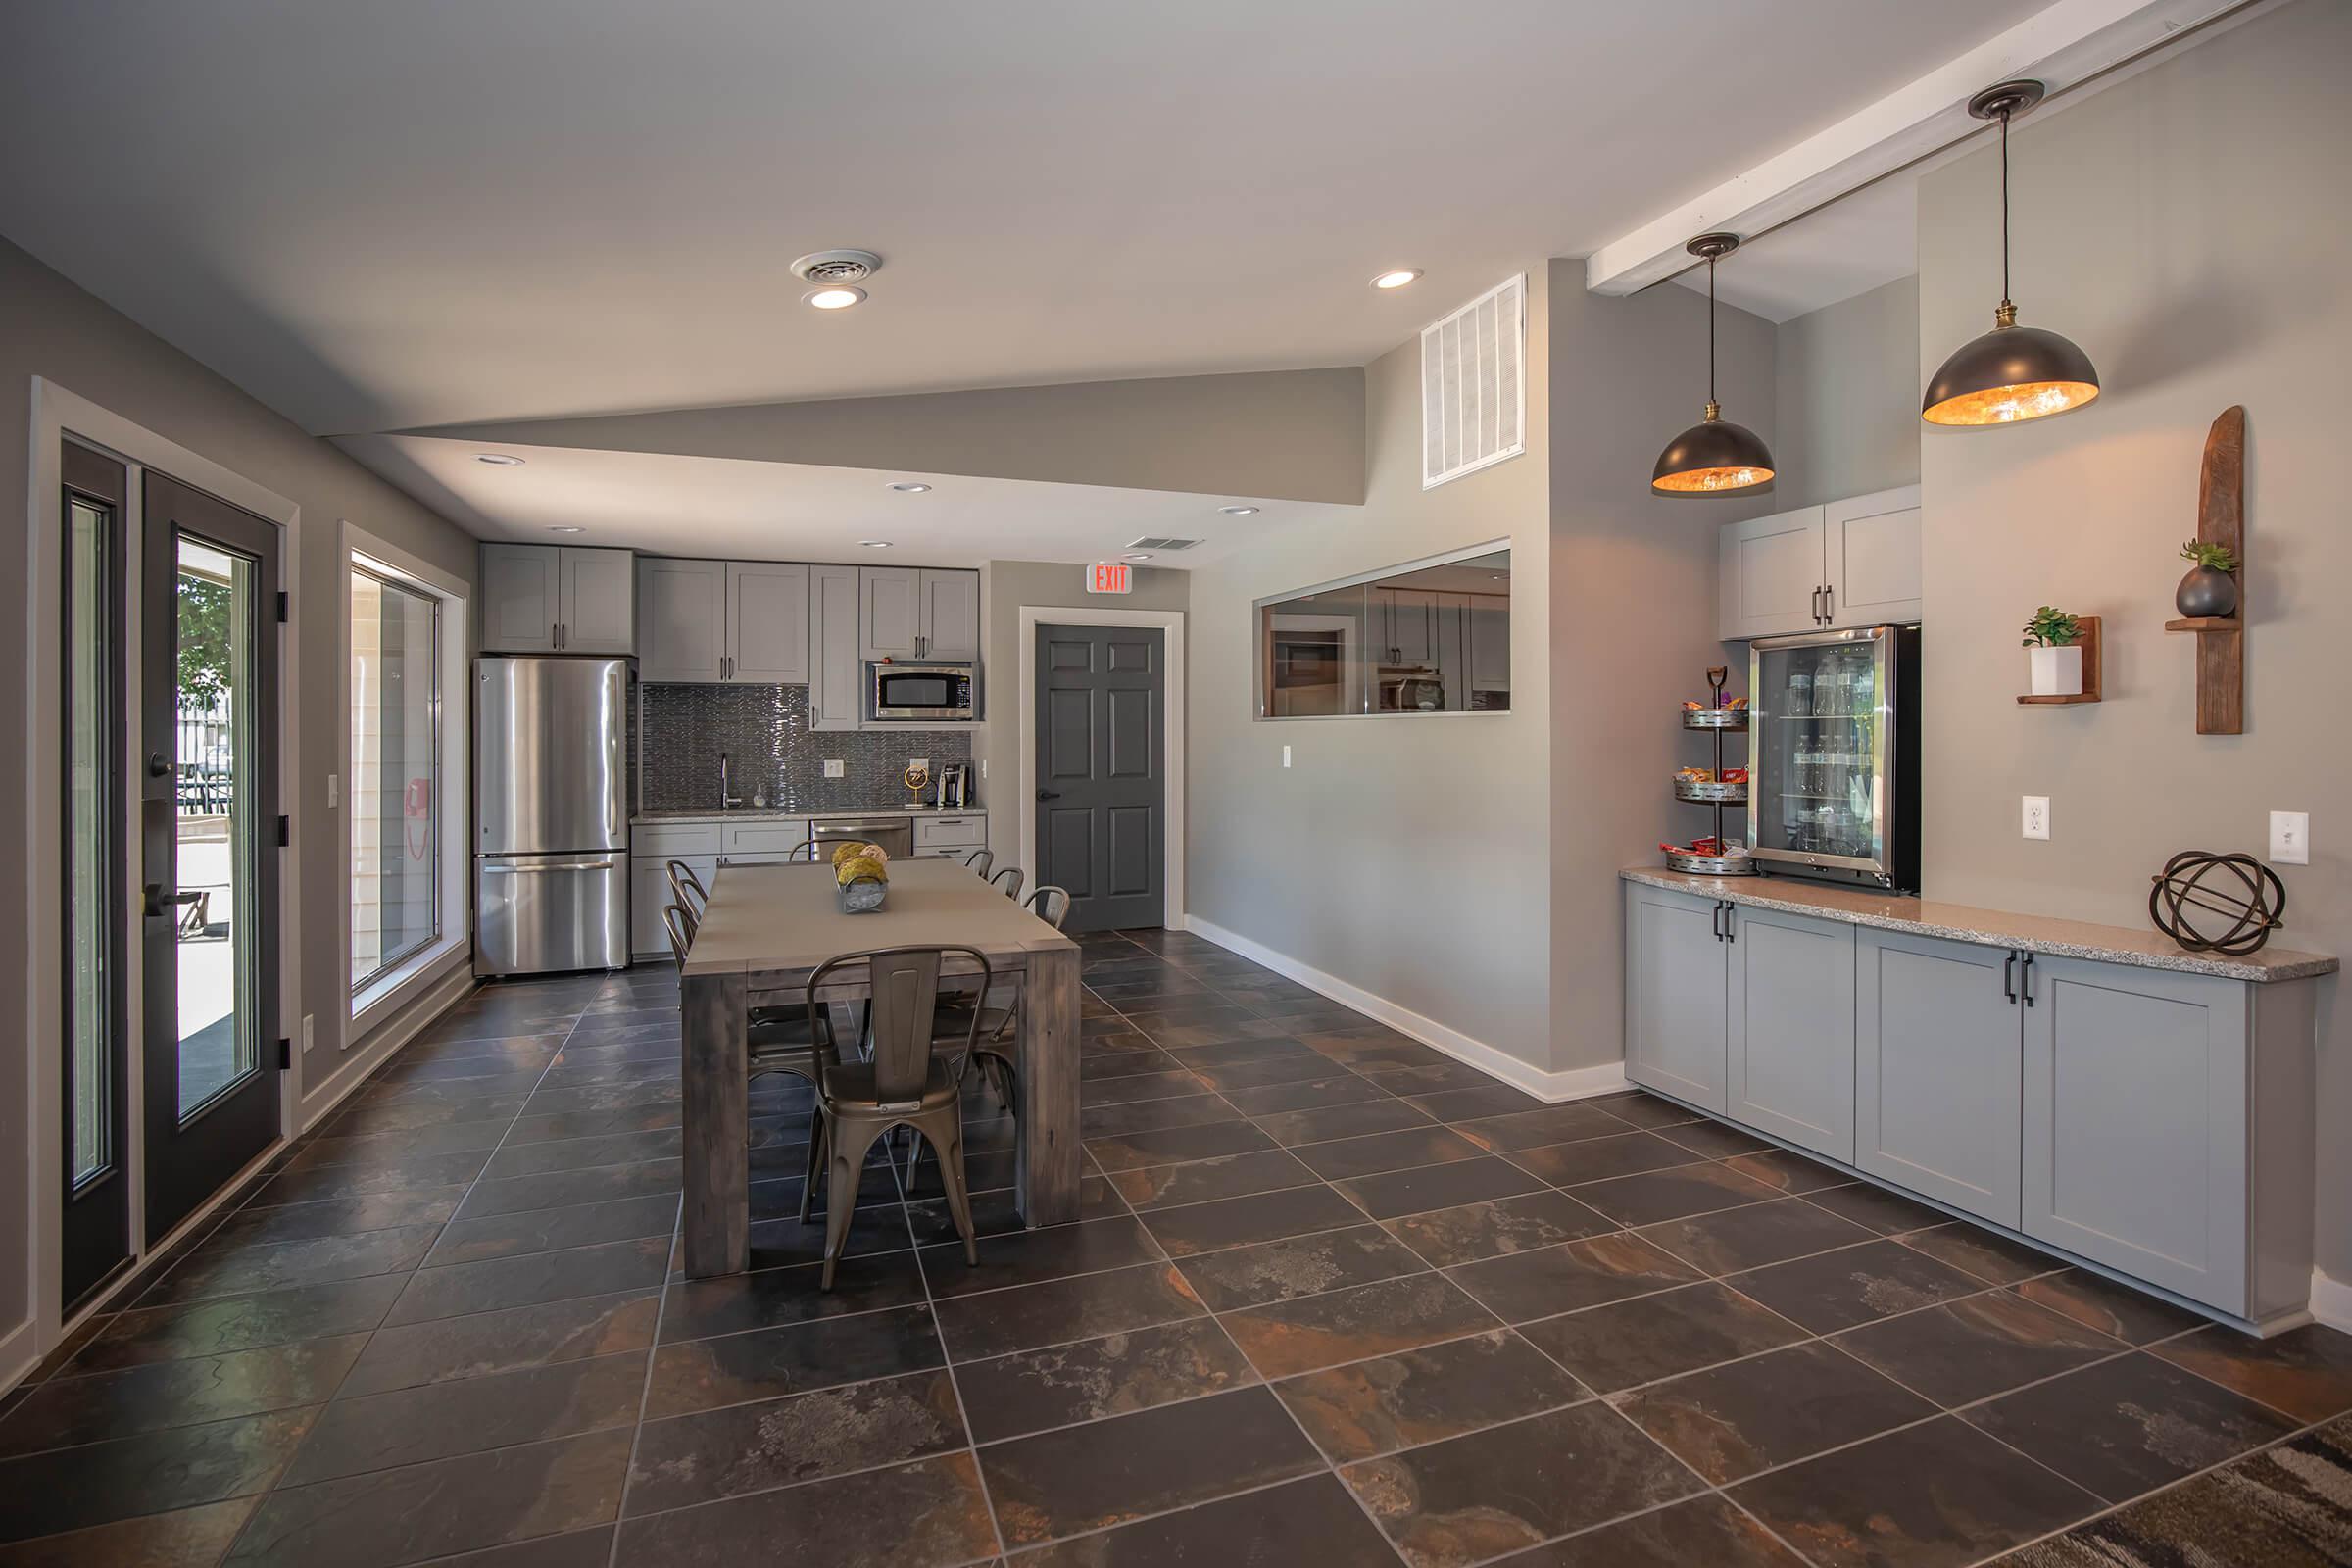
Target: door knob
<point>1049,795</point>
<point>158,766</point>
<point>156,902</point>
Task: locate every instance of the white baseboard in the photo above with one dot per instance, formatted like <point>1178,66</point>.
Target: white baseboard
<point>1576,1083</point>
<point>2331,1302</point>
<point>420,1013</point>
<point>17,1356</point>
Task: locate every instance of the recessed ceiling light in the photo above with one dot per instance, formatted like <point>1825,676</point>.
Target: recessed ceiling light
<point>567,527</point>
<point>873,544</point>
<point>1140,556</point>
<point>833,299</point>
<point>1239,511</point>
<point>1397,278</point>
<point>911,487</point>
<point>500,460</point>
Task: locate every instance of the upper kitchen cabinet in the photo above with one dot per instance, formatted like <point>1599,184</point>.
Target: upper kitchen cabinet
<point>835,661</point>
<point>1852,562</point>
<point>551,599</point>
<point>1404,627</point>
<point>767,623</point>
<point>919,612</point>
<point>683,634</point>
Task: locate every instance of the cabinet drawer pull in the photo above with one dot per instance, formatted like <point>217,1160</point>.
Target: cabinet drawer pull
<point>2008,974</point>
<point>2027,978</point>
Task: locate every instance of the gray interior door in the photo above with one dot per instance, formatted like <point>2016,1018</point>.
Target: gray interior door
<point>1100,772</point>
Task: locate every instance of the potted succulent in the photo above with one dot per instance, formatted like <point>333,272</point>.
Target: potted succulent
<point>861,877</point>
<point>2052,636</point>
<point>2210,590</point>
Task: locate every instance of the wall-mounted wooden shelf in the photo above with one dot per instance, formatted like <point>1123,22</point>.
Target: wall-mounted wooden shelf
<point>2221,520</point>
<point>2088,641</point>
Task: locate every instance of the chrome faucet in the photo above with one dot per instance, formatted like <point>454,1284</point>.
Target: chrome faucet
<point>727,799</point>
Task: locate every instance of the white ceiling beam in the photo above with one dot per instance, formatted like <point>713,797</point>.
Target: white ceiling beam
<point>2062,46</point>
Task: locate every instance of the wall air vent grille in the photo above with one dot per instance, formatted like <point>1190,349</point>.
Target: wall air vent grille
<point>1474,385</point>
<point>1155,542</point>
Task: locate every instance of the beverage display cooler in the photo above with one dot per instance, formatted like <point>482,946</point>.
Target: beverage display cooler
<point>1834,755</point>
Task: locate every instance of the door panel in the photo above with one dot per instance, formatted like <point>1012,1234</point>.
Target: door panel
<point>552,730</point>
<point>1676,970</point>
<point>2135,1123</point>
<point>1871,546</point>
<point>767,623</point>
<point>684,603</point>
<point>1791,1053</point>
<point>518,599</point>
<point>1769,573</point>
<point>208,811</point>
<point>95,1081</point>
<point>892,613</point>
<point>1937,1071</point>
<point>1100,760</point>
<point>598,601</point>
<point>836,673</point>
<point>951,615</point>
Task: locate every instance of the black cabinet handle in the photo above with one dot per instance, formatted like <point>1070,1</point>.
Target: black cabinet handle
<point>2008,970</point>
<point>2029,980</point>
<point>1730,922</point>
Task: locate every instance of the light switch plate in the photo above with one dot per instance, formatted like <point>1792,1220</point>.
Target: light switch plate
<point>924,763</point>
<point>2036,824</point>
<point>333,787</point>
<point>2290,838</point>
<point>835,768</point>
<point>309,1039</point>
<point>1285,757</point>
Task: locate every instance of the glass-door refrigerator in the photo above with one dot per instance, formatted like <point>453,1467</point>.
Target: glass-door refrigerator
<point>1834,755</point>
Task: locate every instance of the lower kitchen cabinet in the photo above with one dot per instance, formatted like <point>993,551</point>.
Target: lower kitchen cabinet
<point>1937,1070</point>
<point>1789,1056</point>
<point>1676,1005</point>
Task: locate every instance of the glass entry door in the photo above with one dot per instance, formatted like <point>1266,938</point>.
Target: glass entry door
<point>96,1233</point>
<point>209,844</point>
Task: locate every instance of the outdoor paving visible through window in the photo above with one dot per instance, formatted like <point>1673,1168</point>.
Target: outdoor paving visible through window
<point>1335,1299</point>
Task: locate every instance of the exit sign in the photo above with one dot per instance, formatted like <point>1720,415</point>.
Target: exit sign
<point>1111,577</point>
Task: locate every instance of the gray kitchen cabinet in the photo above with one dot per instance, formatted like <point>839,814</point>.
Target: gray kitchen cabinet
<point>1488,636</point>
<point>682,632</point>
<point>1790,1057</point>
<point>549,598</point>
<point>836,666</point>
<point>1768,575</point>
<point>518,599</point>
<point>2167,1118</point>
<point>889,600</point>
<point>1870,558</point>
<point>1938,1070</point>
<point>1406,626</point>
<point>767,623</point>
<point>1676,998</point>
<point>950,602</point>
<point>598,601</point>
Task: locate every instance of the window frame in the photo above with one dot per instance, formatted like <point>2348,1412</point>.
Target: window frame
<point>362,565</point>
<point>371,1000</point>
<point>1262,681</point>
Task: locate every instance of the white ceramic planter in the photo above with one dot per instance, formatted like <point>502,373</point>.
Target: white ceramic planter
<point>2056,671</point>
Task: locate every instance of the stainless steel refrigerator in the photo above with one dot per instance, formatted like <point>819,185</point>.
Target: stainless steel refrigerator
<point>1834,776</point>
<point>551,863</point>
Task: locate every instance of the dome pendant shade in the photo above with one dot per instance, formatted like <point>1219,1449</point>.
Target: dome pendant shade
<point>1714,457</point>
<point>1710,458</point>
<point>2012,373</point>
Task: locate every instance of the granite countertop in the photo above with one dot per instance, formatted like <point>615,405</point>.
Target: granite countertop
<point>777,814</point>
<point>2066,938</point>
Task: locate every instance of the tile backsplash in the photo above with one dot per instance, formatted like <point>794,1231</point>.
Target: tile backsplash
<point>763,730</point>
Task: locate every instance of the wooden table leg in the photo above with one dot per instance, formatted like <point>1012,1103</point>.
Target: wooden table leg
<point>1048,1075</point>
<point>718,1221</point>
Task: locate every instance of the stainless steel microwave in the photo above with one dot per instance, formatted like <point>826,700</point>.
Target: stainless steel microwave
<point>906,693</point>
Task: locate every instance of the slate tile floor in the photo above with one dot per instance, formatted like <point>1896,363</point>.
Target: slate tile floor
<point>1335,1299</point>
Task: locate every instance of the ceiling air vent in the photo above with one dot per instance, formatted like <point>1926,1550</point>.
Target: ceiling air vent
<point>1474,385</point>
<point>834,269</point>
<point>1154,542</point>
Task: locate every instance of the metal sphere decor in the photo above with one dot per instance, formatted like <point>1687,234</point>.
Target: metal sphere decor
<point>2253,915</point>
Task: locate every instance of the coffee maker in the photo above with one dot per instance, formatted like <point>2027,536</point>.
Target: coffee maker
<point>956,787</point>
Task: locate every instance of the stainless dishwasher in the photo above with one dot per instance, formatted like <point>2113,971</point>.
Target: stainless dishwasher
<point>896,835</point>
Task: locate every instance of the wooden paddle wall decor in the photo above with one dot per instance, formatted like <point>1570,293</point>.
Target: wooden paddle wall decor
<point>2221,520</point>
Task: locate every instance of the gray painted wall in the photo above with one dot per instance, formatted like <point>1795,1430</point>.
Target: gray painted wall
<point>1845,406</point>
<point>1402,854</point>
<point>1632,632</point>
<point>50,328</point>
<point>2169,227</point>
<point>1292,434</point>
<point>1005,587</point>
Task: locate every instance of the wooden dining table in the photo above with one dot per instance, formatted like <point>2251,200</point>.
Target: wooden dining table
<point>768,928</point>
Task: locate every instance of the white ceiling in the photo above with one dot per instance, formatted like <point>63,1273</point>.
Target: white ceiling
<point>385,215</point>
<point>726,507</point>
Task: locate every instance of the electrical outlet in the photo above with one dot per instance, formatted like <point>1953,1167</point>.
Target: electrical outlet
<point>835,768</point>
<point>308,1037</point>
<point>1285,757</point>
<point>2037,816</point>
<point>2290,838</point>
<point>984,770</point>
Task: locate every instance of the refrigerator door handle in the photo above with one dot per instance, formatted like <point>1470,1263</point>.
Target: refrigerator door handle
<point>495,868</point>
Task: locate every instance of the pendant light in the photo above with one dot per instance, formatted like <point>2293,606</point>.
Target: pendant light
<point>2012,372</point>
<point>1714,457</point>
